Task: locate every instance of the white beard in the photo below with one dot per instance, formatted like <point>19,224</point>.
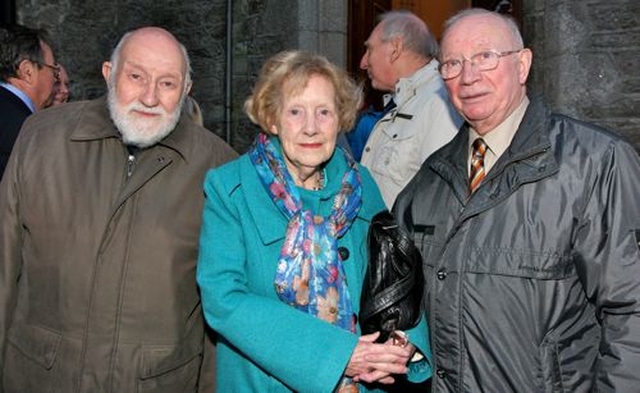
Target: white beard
<point>139,131</point>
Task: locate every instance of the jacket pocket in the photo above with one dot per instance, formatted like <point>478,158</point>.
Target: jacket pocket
<point>523,263</point>
<point>29,360</point>
<point>395,158</point>
<point>429,246</point>
<point>171,368</point>
<point>37,343</point>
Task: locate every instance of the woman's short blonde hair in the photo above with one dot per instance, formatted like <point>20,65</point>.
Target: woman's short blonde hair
<point>286,74</point>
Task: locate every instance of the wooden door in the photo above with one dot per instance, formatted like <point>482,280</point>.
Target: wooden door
<point>363,17</point>
<point>434,13</point>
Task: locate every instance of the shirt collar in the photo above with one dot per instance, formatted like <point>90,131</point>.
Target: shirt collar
<point>499,139</point>
<point>20,94</point>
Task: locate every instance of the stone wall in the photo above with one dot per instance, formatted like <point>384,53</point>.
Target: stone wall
<point>586,52</point>
<point>587,59</point>
<point>87,30</point>
<point>263,28</point>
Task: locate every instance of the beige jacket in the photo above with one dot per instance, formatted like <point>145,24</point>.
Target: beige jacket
<point>423,121</point>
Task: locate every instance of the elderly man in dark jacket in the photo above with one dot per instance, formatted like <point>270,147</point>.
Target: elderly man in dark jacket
<point>100,215</point>
<point>529,224</point>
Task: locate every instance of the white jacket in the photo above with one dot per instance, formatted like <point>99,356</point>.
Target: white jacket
<point>423,121</point>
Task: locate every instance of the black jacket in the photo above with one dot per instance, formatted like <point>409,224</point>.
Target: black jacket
<point>533,282</point>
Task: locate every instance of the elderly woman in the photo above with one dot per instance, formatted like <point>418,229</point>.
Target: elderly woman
<point>283,245</point>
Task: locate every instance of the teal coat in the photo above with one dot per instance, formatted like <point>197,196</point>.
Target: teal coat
<point>265,345</point>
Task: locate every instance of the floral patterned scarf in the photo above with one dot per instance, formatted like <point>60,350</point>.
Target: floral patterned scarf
<point>310,276</point>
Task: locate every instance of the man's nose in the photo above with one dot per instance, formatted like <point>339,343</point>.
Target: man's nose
<point>149,96</point>
<point>470,72</point>
<point>364,64</point>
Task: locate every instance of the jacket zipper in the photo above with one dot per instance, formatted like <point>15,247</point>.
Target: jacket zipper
<point>130,162</point>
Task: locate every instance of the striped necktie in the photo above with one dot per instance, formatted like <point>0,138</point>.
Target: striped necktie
<point>477,172</point>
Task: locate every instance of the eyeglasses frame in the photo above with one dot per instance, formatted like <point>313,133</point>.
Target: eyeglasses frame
<point>53,67</point>
<point>498,53</point>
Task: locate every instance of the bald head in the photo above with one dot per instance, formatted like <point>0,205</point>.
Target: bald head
<point>485,95</point>
<point>148,78</point>
<point>497,21</point>
<point>152,35</point>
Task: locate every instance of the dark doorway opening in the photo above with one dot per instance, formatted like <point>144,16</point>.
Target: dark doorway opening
<point>7,12</point>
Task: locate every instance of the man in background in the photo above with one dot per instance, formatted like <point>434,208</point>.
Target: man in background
<point>101,207</point>
<point>400,60</point>
<point>529,223</point>
<point>28,72</point>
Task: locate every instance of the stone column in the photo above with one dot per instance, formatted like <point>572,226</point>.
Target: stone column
<point>587,59</point>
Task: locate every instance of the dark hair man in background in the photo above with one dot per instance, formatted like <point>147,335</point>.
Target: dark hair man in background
<point>28,71</point>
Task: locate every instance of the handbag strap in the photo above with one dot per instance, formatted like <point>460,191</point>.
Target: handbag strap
<point>383,299</point>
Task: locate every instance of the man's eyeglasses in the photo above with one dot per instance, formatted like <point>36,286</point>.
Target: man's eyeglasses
<point>485,61</point>
<point>53,67</point>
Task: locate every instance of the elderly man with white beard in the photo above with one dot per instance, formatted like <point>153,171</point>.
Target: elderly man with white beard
<point>101,210</point>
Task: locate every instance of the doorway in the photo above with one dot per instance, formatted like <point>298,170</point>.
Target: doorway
<point>363,16</point>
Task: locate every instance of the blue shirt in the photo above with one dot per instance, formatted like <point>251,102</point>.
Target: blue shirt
<point>21,95</point>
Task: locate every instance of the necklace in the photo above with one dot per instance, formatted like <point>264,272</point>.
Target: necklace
<point>319,181</point>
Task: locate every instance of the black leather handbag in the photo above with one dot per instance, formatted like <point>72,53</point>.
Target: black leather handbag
<point>393,284</point>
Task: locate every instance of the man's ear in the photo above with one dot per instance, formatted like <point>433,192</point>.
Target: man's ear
<point>26,70</point>
<point>524,60</point>
<point>397,46</point>
<point>106,71</point>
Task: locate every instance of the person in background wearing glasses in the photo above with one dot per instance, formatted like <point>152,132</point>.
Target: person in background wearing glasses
<point>28,72</point>
<point>529,236</point>
<point>400,60</point>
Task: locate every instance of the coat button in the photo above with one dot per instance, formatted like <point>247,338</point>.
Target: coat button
<point>441,373</point>
<point>343,253</point>
<point>442,274</point>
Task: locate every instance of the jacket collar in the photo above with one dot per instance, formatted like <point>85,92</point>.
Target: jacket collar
<point>95,123</point>
<point>528,158</point>
<point>21,95</point>
<point>408,87</point>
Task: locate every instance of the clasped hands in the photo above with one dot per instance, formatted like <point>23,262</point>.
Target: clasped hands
<point>377,362</point>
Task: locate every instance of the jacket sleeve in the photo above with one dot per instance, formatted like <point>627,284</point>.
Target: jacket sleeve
<point>608,261</point>
<point>420,370</point>
<point>281,340</point>
<point>10,251</point>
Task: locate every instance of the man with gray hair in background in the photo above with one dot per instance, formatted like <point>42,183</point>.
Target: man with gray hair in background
<point>401,59</point>
<point>101,209</point>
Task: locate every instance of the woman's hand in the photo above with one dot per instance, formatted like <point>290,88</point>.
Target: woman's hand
<point>373,362</point>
